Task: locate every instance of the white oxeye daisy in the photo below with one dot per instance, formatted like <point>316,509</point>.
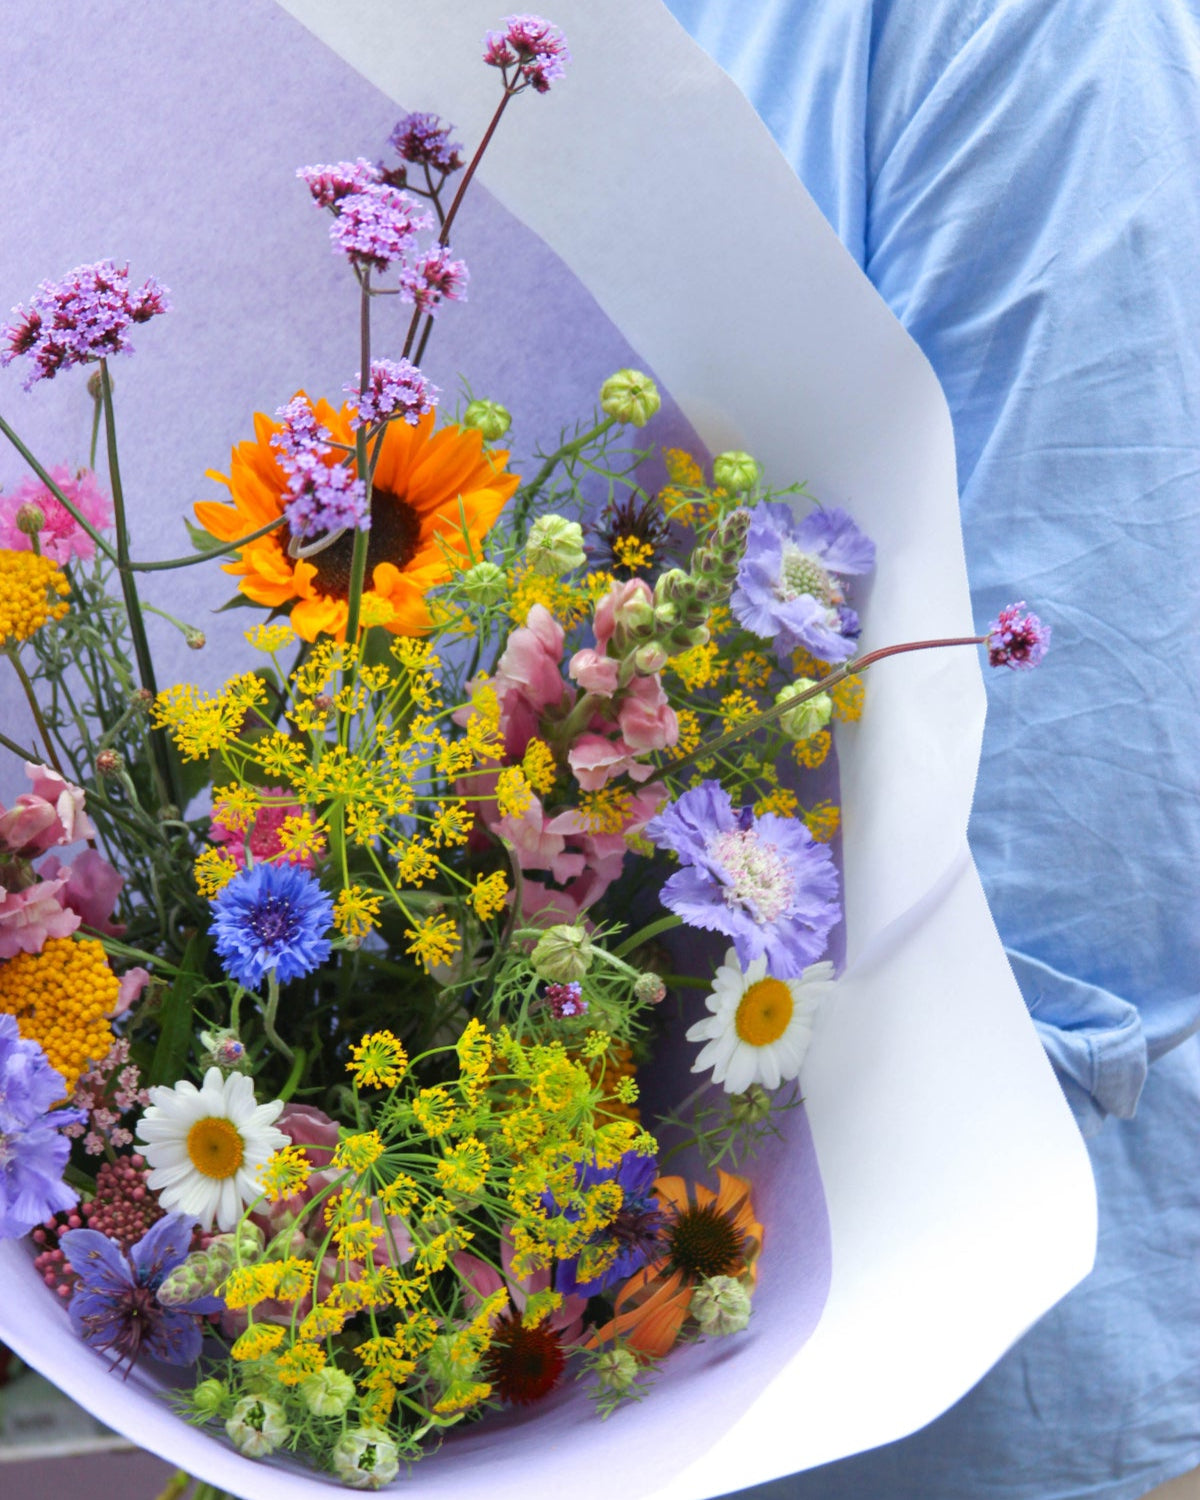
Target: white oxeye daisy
<point>760,1027</point>
<point>205,1146</point>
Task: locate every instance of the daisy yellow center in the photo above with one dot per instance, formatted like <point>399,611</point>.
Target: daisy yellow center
<point>764,1012</point>
<point>215,1147</point>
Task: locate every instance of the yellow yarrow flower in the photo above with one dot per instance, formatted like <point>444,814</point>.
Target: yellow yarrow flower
<point>33,590</point>
<point>62,997</point>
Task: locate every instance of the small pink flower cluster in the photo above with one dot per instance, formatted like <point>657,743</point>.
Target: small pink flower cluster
<point>106,1092</point>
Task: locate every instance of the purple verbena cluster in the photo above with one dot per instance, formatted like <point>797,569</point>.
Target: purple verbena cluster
<point>330,184</point>
<point>424,140</point>
<point>394,388</point>
<point>566,1000</point>
<point>82,318</point>
<point>322,497</point>
<point>377,225</point>
<point>533,47</point>
<point>433,277</point>
<point>1017,640</point>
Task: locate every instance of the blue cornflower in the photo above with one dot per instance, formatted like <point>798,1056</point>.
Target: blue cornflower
<point>33,1150</point>
<point>115,1307</point>
<point>637,1229</point>
<point>790,580</point>
<point>763,882</point>
<point>272,917</point>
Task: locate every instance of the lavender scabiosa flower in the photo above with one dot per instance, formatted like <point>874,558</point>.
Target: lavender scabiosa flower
<point>424,140</point>
<point>322,497</point>
<point>431,278</point>
<point>330,184</point>
<point>115,1308</point>
<point>531,45</point>
<point>377,225</point>
<point>1016,640</point>
<point>790,582</point>
<point>33,1149</point>
<point>271,919</point>
<point>82,318</point>
<point>764,882</point>
<point>394,388</point>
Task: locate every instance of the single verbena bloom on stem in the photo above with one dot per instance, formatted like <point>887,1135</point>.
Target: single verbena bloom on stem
<point>1017,640</point>
<point>533,46</point>
<point>60,536</point>
<point>33,1150</point>
<point>424,140</point>
<point>394,388</point>
<point>431,277</point>
<point>330,184</point>
<point>271,918</point>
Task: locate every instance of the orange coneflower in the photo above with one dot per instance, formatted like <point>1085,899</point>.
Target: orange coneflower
<point>434,493</point>
<point>716,1235</point>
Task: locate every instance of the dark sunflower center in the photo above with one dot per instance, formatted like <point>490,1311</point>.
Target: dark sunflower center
<point>395,531</point>
<point>704,1243</point>
<point>523,1363</point>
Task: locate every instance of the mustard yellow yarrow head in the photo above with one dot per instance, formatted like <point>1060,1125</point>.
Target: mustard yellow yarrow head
<point>33,590</point>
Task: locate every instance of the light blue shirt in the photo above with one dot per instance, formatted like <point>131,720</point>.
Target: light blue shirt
<point>1021,181</point>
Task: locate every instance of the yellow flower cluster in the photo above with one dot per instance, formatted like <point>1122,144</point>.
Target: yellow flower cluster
<point>32,590</point>
<point>62,997</point>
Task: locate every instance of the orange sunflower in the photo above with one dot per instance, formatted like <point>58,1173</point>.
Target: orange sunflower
<point>435,494</point>
<point>716,1235</point>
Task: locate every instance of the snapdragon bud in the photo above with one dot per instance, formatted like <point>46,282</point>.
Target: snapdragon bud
<point>630,396</point>
<point>366,1459</point>
<point>488,418</point>
<point>257,1426</point>
<point>563,954</point>
<point>721,1305</point>
<point>555,546</point>
<point>735,471</point>
<point>648,660</point>
<point>807,718</point>
<point>484,585</point>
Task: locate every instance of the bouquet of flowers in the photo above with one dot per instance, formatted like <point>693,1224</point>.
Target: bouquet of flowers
<point>340,1059</point>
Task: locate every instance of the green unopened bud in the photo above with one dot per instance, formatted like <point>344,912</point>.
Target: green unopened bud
<point>647,660</point>
<point>366,1459</point>
<point>328,1392</point>
<point>684,637</point>
<point>208,1397</point>
<point>630,396</point>
<point>666,615</point>
<point>720,1305</point>
<point>649,989</point>
<point>617,1370</point>
<point>735,471</point>
<point>30,518</point>
<point>635,616</point>
<point>257,1426</point>
<point>484,584</point>
<point>807,718</point>
<point>750,1108</point>
<point>450,1360</point>
<point>488,418</point>
<point>555,546</point>
<point>196,639</point>
<point>563,954</point>
<point>672,586</point>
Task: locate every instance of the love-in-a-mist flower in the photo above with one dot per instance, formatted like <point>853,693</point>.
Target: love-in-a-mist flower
<point>764,882</point>
<point>791,580</point>
<point>1017,640</point>
<point>271,919</point>
<point>205,1146</point>
<point>760,1027</point>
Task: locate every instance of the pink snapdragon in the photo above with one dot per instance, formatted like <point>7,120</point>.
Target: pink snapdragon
<point>49,815</point>
<point>28,917</point>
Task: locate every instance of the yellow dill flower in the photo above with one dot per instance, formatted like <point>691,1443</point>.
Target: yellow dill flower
<point>419,1330</point>
<point>454,758</point>
<point>299,835</point>
<point>812,752</point>
<point>805,664</point>
<point>271,638</point>
<point>486,701</point>
<point>62,997</point>
<point>298,1363</point>
<point>483,741</point>
<point>342,1208</point>
<point>434,1110</point>
<point>539,1306</point>
<point>682,468</point>
<point>848,697</point>
<point>324,1321</point>
<point>644,1144</point>
<point>278,755</point>
<point>736,708</point>
<point>611,1141</point>
<point>689,733</point>
<point>247,1286</point>
<point>753,669</point>
<point>415,654</point>
<point>567,603</point>
<point>236,806</point>
<point>376,678</point>
<point>538,765</point>
<point>399,1196</point>
<point>416,862</point>
<point>357,1240</point>
<point>358,1152</point>
<point>513,792</point>
<point>607,810</point>
<point>464,1167</point>
<point>596,1044</point>
<point>474,1049</point>
<point>434,941</point>
<point>781,801</point>
<point>356,911</point>
<point>386,1354</point>
<point>488,893</point>
<point>198,724</point>
<point>285,1173</point>
<point>560,1084</point>
<point>293,1279</point>
<point>461,1396</point>
<point>699,667</point>
<point>594,1260</point>
<point>212,871</point>
<point>379,1061</point>
<point>521,1130</point>
<point>258,1339</point>
<point>33,590</point>
<point>626,1090</point>
<point>364,823</point>
<point>823,821</point>
<point>633,555</point>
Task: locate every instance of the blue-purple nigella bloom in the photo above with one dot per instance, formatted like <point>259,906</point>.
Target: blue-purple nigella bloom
<point>84,317</point>
<point>271,917</point>
<point>395,388</point>
<point>330,184</point>
<point>33,1150</point>
<point>425,141</point>
<point>790,584</point>
<point>115,1308</point>
<point>431,278</point>
<point>377,225</point>
<point>322,498</point>
<point>637,1229</point>
<point>763,882</point>
<point>1016,640</point>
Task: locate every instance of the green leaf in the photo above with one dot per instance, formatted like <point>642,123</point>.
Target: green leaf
<point>175,1016</point>
<point>239,601</point>
<point>202,540</point>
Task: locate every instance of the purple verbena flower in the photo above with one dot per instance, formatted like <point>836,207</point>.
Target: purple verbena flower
<point>115,1307</point>
<point>82,318</point>
<point>566,1000</point>
<point>431,278</point>
<point>533,46</point>
<point>395,388</point>
<point>322,497</point>
<point>329,185</point>
<point>425,141</point>
<point>33,1149</point>
<point>1016,640</point>
<point>377,225</point>
<point>637,1229</point>
<point>790,583</point>
<point>271,918</point>
<point>763,882</point>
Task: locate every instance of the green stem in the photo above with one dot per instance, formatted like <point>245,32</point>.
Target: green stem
<point>528,493</point>
<point>209,552</point>
<point>16,749</point>
<point>95,428</point>
<point>69,506</point>
<point>269,1017</point>
<point>294,1077</point>
<point>35,709</point>
<point>358,558</point>
<point>651,930</point>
